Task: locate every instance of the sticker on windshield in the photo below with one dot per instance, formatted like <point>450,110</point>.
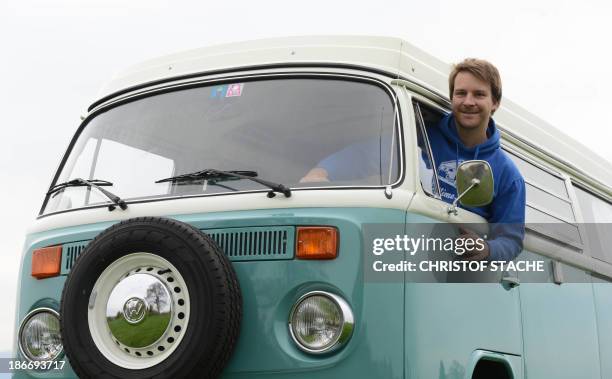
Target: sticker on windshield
<point>234,90</point>
<point>218,92</point>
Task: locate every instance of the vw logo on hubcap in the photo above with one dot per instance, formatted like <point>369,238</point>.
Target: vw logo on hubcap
<point>134,310</point>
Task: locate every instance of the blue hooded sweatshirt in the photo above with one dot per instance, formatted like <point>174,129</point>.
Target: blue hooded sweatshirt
<point>506,213</point>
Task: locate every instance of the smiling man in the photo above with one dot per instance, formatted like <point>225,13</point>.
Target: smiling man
<point>469,133</point>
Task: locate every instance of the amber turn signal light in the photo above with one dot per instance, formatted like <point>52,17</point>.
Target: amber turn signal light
<point>46,262</point>
<point>317,242</point>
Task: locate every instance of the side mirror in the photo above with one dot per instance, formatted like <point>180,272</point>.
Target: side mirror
<point>474,181</point>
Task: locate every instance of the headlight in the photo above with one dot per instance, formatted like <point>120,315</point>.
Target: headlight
<point>320,322</point>
<point>39,335</point>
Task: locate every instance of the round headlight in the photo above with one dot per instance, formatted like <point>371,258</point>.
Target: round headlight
<point>320,322</point>
<point>39,335</point>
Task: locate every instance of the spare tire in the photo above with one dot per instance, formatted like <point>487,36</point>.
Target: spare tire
<point>151,297</point>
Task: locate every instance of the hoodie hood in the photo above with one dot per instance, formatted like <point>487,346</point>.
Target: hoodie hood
<point>482,151</point>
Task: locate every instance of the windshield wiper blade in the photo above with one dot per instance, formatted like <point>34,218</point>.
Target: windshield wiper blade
<point>77,183</point>
<point>207,174</point>
<point>214,174</point>
<point>93,183</point>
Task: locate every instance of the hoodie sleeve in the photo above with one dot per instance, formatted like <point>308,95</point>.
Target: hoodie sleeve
<point>357,161</point>
<point>507,222</point>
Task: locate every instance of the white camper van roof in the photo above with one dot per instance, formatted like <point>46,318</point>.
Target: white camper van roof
<point>393,56</point>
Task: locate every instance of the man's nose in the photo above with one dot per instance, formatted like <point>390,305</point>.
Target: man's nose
<point>469,99</point>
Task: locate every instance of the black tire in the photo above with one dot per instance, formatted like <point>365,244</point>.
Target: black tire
<point>215,299</point>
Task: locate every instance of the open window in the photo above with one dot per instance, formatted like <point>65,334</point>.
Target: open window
<point>427,118</point>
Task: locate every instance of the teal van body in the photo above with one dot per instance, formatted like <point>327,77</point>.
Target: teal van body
<point>406,330</point>
<point>278,107</point>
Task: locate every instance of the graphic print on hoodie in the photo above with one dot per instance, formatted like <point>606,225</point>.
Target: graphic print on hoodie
<point>447,172</point>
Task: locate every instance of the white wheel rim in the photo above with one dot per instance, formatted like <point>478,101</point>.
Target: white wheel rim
<point>118,353</point>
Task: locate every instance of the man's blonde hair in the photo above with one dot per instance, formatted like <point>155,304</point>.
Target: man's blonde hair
<point>481,69</point>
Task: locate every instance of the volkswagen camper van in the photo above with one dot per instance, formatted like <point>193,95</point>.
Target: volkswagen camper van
<point>179,237</point>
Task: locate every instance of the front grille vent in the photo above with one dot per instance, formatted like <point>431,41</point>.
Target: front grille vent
<point>70,253</point>
<point>255,243</point>
<point>239,244</point>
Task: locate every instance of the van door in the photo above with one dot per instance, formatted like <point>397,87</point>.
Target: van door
<point>450,325</point>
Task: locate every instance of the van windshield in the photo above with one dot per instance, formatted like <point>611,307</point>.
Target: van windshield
<point>281,129</point>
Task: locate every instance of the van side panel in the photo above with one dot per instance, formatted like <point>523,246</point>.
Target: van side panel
<point>559,324</point>
<point>602,293</point>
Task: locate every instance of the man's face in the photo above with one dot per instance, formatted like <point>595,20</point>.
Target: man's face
<point>472,102</point>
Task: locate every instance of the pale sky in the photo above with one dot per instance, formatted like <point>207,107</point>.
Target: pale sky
<point>553,57</point>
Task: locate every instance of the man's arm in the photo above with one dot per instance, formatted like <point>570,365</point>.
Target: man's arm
<point>507,226</point>
<point>356,161</point>
<point>508,223</point>
<point>317,174</point>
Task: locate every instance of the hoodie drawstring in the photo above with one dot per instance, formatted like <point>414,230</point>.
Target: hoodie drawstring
<point>456,157</point>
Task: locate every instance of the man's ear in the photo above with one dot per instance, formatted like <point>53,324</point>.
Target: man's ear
<point>495,107</point>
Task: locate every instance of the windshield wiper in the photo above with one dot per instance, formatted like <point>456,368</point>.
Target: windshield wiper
<point>212,174</point>
<point>93,183</point>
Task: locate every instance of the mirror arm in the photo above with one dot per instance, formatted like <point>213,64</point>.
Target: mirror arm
<point>453,207</point>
